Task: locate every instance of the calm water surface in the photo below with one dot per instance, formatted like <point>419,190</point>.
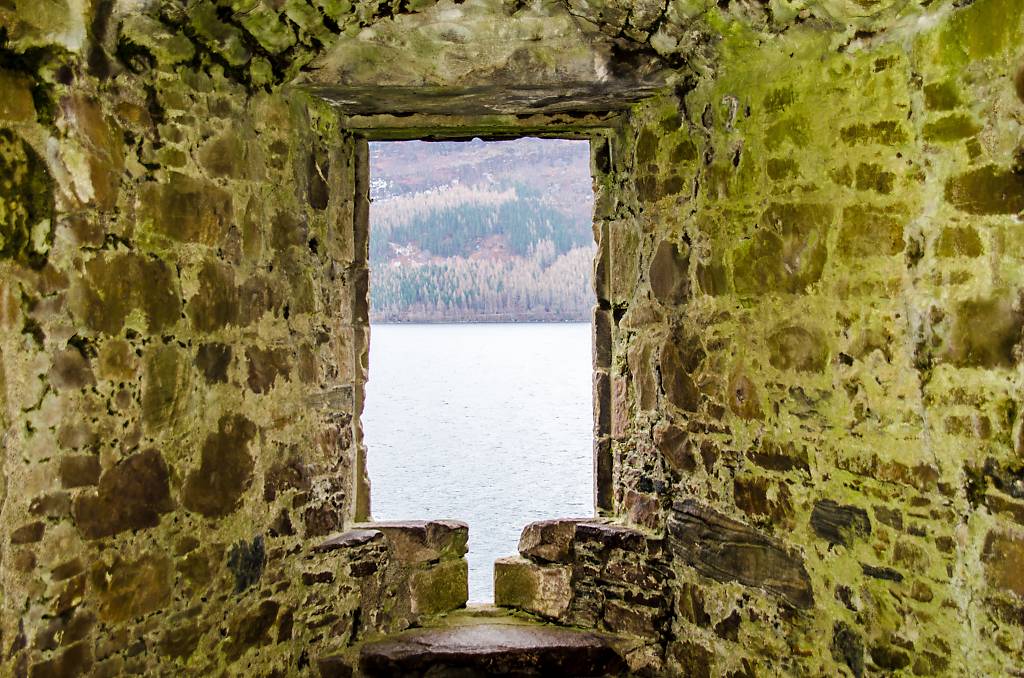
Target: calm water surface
<point>486,423</point>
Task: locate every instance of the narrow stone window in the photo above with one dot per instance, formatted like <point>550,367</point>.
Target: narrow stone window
<point>478,406</point>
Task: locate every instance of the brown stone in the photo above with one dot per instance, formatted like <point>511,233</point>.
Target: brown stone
<point>674,445</point>
<point>670,273</point>
<point>265,366</point>
<point>71,370</point>
<point>16,104</point>
<point>225,469</point>
<point>724,549</point>
<point>1003,555</point>
<point>104,145</point>
<point>187,209</point>
<point>545,590</point>
<point>28,534</point>
<point>349,539</point>
<point>213,360</point>
<point>787,254</point>
<point>128,589</point>
<point>79,470</point>
<point>113,284</point>
<point>987,190</point>
<point>215,304</point>
<point>744,400</point>
<point>609,536</point>
<point>131,496</point>
<point>839,524</point>
<point>423,541</point>
<point>76,660</point>
<point>251,629</point>
<point>549,540</point>
<point>679,387</point>
<point>984,333</point>
<point>796,348</point>
<point>635,620</point>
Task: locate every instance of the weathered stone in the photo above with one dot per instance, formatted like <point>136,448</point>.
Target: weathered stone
<point>787,255</point>
<point>1003,555</point>
<point>213,360</point>
<point>16,104</point>
<point>28,534</point>
<point>635,620</point>
<point>988,190</point>
<point>549,540</point>
<point>491,650</point>
<point>349,539</point>
<point>187,209</point>
<point>674,445</point>
<point>848,647</point>
<point>80,470</point>
<point>225,469</point>
<point>128,589</point>
<point>670,273</point>
<point>796,348</point>
<point>539,589</point>
<point>131,495</point>
<point>608,536</point>
<point>868,232</point>
<point>251,628</point>
<point>76,660</point>
<point>744,400</point>
<point>266,366</point>
<point>27,196</point>
<point>71,370</point>
<point>104,147</point>
<point>984,333</point>
<point>837,523</point>
<point>679,387</point>
<point>726,550</point>
<point>423,541</point>
<point>215,304</point>
<point>441,587</point>
<point>113,285</point>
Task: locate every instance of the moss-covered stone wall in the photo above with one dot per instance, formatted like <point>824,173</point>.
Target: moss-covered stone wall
<point>183,339</point>
<point>817,292</point>
<point>806,340</point>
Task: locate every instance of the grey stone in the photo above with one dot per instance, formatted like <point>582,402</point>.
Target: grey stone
<point>491,649</point>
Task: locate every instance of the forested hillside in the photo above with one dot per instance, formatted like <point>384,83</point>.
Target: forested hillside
<point>480,231</point>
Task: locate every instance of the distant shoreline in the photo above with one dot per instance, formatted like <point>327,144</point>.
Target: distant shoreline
<point>481,321</point>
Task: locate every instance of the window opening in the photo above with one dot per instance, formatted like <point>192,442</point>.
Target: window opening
<point>478,406</point>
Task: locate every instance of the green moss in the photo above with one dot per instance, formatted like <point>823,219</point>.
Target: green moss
<point>941,96</point>
<point>959,242</point>
<point>986,28</point>
<point>869,232</point>
<point>26,202</point>
<point>987,190</point>
<point>951,128</point>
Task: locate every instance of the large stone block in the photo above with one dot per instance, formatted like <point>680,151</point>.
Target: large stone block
<point>549,540</point>
<point>132,495</point>
<point>724,549</point>
<point>423,541</point>
<point>440,588</point>
<point>541,589</point>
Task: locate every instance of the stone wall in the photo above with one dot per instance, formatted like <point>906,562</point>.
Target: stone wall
<point>815,373</point>
<point>806,339</point>
<point>183,343</point>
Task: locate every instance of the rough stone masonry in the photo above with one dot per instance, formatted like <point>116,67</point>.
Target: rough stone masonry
<point>809,436</point>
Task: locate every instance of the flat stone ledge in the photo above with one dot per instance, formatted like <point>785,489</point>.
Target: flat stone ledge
<point>349,539</point>
<point>423,541</point>
<point>491,650</point>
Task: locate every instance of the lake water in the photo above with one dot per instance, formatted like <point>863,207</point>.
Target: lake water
<point>490,424</point>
